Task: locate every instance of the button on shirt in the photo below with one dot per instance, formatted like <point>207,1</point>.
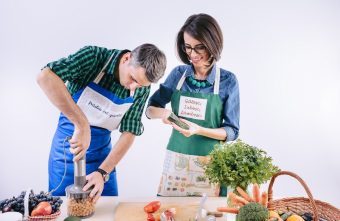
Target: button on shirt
<point>81,68</point>
<point>229,94</point>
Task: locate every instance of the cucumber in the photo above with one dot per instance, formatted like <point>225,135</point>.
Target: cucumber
<point>173,118</point>
<point>72,218</point>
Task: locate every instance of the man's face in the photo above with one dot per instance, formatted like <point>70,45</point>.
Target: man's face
<point>131,77</point>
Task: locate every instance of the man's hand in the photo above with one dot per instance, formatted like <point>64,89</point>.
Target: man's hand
<point>194,128</point>
<point>80,142</point>
<point>96,180</point>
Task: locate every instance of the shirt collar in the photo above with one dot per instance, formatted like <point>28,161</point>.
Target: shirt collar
<point>211,77</point>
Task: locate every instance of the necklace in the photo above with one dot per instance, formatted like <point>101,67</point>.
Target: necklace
<point>197,83</point>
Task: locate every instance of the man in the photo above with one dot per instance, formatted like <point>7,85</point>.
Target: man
<point>104,89</point>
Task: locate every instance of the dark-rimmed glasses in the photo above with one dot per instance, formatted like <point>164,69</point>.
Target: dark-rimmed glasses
<point>199,49</point>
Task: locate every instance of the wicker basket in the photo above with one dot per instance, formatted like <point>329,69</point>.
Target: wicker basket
<point>45,218</point>
<point>50,217</point>
<point>318,208</point>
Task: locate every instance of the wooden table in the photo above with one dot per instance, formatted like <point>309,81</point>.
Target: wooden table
<point>106,206</point>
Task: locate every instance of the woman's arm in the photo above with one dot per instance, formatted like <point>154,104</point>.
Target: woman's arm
<point>157,112</point>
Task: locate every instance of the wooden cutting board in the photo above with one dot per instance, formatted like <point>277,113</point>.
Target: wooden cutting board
<point>134,211</point>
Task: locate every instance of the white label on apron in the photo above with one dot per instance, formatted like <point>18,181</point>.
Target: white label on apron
<point>100,111</point>
<point>192,107</point>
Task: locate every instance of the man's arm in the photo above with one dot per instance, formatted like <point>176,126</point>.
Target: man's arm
<point>57,93</point>
<point>118,151</point>
<point>116,154</point>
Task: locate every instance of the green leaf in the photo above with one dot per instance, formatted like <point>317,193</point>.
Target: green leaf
<point>239,164</point>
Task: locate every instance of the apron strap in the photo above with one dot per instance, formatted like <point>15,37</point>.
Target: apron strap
<point>217,81</point>
<point>181,81</point>
<point>216,85</point>
<point>101,73</point>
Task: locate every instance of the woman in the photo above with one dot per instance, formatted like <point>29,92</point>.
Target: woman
<point>206,98</point>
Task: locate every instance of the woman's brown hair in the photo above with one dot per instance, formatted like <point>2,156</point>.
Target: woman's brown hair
<point>205,29</point>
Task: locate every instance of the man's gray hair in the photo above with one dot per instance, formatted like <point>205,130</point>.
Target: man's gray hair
<point>153,60</point>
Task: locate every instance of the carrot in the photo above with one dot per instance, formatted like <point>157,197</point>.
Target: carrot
<point>228,210</point>
<point>237,199</point>
<point>256,192</point>
<point>232,198</point>
<point>236,203</point>
<point>244,194</point>
<point>264,199</point>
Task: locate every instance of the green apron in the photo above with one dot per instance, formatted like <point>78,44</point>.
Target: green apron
<point>183,173</point>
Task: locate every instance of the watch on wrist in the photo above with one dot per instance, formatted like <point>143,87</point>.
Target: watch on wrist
<point>105,175</point>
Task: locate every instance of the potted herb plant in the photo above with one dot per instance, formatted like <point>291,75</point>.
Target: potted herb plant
<point>239,164</point>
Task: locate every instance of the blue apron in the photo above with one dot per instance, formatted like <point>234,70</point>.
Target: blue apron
<point>100,147</point>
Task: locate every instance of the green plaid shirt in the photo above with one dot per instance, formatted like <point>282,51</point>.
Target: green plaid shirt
<point>81,68</point>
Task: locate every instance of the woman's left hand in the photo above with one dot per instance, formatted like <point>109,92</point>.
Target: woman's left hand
<point>96,180</point>
<point>193,128</point>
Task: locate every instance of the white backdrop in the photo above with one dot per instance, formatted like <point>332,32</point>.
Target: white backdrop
<point>286,55</point>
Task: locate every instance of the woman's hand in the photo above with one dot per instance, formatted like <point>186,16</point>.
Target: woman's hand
<point>80,142</point>
<point>165,115</point>
<point>193,128</point>
<point>96,180</point>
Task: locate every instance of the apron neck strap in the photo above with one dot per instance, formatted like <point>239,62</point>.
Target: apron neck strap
<point>216,83</point>
<point>101,73</point>
<point>180,83</point>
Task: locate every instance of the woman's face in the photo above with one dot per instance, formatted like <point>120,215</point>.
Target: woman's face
<point>196,51</point>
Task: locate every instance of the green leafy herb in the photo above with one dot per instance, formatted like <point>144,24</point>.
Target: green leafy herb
<point>239,164</point>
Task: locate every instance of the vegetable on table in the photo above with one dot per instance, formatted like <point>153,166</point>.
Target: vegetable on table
<point>237,163</point>
<point>256,192</point>
<point>237,199</point>
<point>244,194</point>
<point>228,210</point>
<point>264,198</point>
<point>253,211</point>
<point>152,207</point>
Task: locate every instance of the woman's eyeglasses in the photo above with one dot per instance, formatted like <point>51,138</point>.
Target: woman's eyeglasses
<point>199,49</point>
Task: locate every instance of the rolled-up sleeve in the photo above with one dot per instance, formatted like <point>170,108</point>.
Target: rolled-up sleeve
<point>76,65</point>
<point>231,113</point>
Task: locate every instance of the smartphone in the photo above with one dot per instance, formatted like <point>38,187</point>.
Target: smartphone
<point>173,118</point>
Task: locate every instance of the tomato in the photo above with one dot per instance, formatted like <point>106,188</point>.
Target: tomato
<point>152,207</point>
<point>150,217</point>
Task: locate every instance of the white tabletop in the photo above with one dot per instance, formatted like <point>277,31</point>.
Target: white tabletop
<point>105,207</point>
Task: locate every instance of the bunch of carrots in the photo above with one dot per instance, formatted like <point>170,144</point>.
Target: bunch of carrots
<point>244,198</point>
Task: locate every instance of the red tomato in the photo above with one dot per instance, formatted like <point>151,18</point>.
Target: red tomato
<point>152,207</point>
<point>150,217</point>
